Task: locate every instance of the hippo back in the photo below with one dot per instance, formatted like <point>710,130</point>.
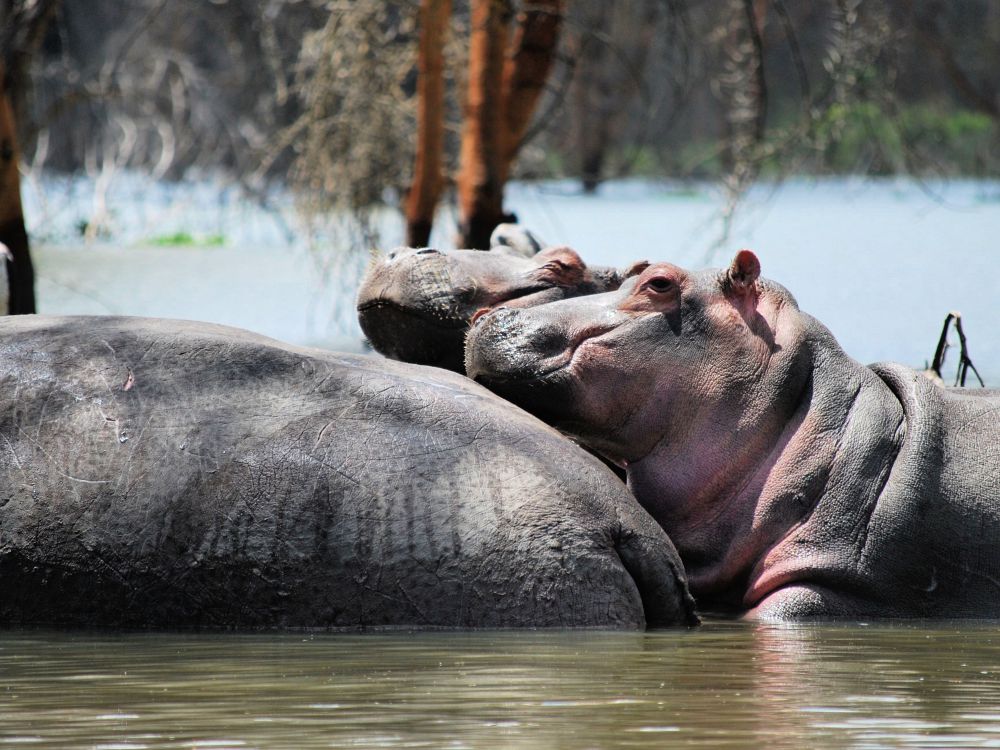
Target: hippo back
<point>175,474</point>
<point>933,540</point>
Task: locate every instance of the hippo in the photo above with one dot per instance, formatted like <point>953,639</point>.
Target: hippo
<point>416,304</point>
<point>168,474</point>
<point>795,482</point>
<point>519,238</point>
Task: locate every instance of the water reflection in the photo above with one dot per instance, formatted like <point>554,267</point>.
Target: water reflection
<point>725,685</point>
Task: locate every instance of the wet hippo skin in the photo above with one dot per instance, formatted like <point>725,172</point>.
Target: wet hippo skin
<point>795,482</point>
<point>175,474</point>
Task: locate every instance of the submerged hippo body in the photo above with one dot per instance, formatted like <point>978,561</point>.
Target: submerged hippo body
<point>795,482</point>
<point>416,304</point>
<point>176,474</point>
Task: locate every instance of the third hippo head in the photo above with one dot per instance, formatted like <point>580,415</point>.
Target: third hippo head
<point>624,370</point>
<point>416,304</point>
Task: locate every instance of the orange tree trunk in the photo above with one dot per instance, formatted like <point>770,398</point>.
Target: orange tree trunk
<point>426,188</point>
<point>503,93</point>
<point>480,177</point>
<point>20,274</point>
<point>533,52</point>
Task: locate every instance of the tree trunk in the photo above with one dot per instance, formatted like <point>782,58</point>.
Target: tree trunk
<point>534,50</point>
<point>480,178</point>
<point>426,188</point>
<point>593,92</point>
<point>20,274</point>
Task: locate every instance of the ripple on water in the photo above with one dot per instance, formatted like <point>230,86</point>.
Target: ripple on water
<point>726,685</point>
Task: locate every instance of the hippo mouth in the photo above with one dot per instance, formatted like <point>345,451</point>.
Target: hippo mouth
<point>436,318</point>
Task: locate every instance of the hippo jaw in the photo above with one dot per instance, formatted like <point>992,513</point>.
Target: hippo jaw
<point>410,334</point>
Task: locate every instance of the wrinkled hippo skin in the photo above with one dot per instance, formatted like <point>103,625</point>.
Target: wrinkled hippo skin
<point>416,304</point>
<point>175,474</point>
<point>795,482</point>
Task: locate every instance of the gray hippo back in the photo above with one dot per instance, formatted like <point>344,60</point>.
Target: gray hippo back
<point>176,474</point>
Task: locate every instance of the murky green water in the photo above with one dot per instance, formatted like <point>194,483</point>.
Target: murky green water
<point>725,685</point>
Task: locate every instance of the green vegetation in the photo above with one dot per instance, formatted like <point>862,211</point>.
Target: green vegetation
<point>921,138</point>
<point>186,239</point>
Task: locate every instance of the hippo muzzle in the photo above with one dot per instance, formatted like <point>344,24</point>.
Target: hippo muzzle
<point>412,306</point>
<point>532,356</point>
<point>510,345</point>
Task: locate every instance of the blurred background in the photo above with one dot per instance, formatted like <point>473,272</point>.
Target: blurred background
<point>239,160</point>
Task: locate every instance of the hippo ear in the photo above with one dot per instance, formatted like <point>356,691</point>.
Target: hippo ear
<point>743,271</point>
<point>635,269</point>
<point>561,264</point>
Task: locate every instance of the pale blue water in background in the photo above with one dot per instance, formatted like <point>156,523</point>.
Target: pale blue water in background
<point>880,263</point>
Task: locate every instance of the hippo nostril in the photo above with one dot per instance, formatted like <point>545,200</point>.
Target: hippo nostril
<point>428,251</point>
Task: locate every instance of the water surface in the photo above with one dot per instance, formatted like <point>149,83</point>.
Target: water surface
<point>726,685</point>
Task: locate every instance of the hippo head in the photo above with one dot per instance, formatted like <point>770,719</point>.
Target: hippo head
<point>671,357</point>
<point>416,304</point>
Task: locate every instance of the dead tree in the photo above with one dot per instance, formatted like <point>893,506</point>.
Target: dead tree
<point>933,371</point>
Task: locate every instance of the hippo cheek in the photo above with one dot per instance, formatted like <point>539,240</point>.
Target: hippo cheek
<point>611,398</point>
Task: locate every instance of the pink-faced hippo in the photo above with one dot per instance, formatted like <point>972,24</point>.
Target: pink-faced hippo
<point>174,474</point>
<point>795,482</point>
<point>416,304</point>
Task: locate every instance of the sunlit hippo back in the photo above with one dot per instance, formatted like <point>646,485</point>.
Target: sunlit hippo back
<point>416,304</point>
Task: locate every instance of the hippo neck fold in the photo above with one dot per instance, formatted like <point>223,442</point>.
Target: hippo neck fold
<point>742,519</point>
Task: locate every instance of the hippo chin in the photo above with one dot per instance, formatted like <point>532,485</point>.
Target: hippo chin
<point>416,304</point>
<point>175,474</point>
<point>795,482</point>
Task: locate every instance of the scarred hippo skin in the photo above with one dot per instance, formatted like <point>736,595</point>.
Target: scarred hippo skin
<point>416,304</point>
<point>175,474</point>
<point>795,482</point>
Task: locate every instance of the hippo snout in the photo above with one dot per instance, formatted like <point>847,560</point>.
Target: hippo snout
<point>509,344</point>
<point>398,253</point>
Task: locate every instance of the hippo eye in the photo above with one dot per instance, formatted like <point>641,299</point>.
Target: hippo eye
<point>659,284</point>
